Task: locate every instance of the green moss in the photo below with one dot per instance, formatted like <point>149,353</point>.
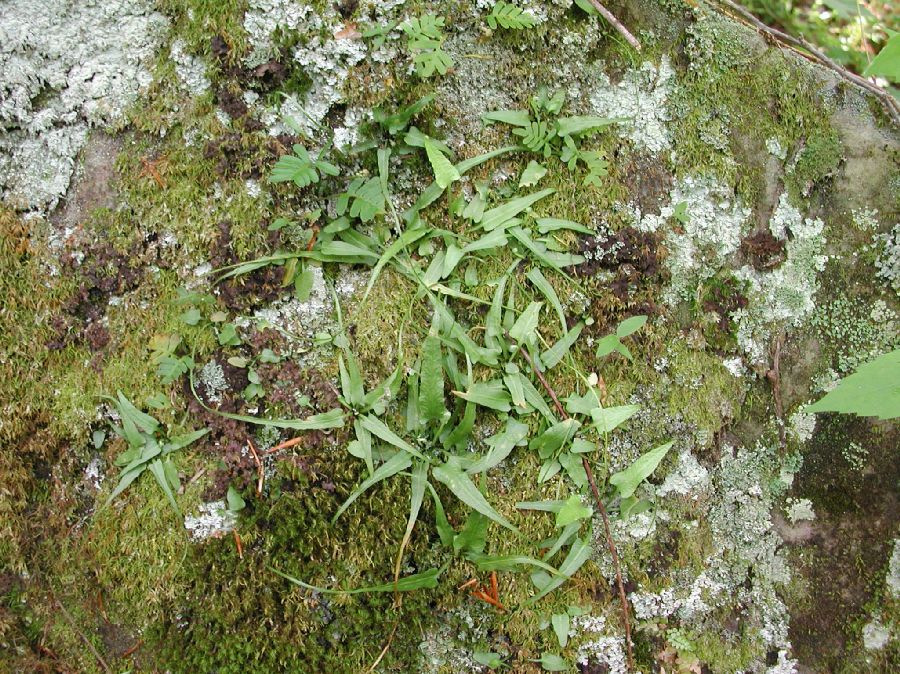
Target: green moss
<point>818,160</point>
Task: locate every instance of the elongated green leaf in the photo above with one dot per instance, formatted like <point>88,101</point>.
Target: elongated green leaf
<point>566,535</point>
<point>547,225</point>
<point>408,237</point>
<point>491,394</point>
<point>159,472</point>
<point>445,531</point>
<point>513,381</point>
<point>458,438</point>
<point>364,442</point>
<point>501,214</point>
<point>417,581</point>
<point>872,391</point>
<point>465,490</point>
<point>511,117</point>
<point>539,251</point>
<point>525,328</point>
<point>473,537</point>
<point>317,422</point>
<point>510,563</point>
<point>574,467</point>
<point>128,411</point>
<point>579,553</point>
<point>434,191</point>
<point>431,381</point>
<point>626,481</point>
<point>545,506</point>
<point>400,461</point>
<point>493,239</point>
<point>582,404</point>
<point>607,419</point>
<point>416,495</point>
<point>377,428</point>
<point>551,662</point>
<point>181,441</point>
<point>886,64</point>
<point>351,380</point>
<point>444,172</point>
<point>535,399</point>
<point>630,326</point>
<point>554,437</point>
<point>126,477</point>
<point>541,283</point>
<point>572,126</point>
<point>555,353</point>
<point>501,444</point>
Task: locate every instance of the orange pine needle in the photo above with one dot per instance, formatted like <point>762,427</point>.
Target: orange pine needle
<point>284,445</point>
<point>485,597</point>
<point>237,542</point>
<point>494,592</point>
<point>259,468</point>
<point>468,583</point>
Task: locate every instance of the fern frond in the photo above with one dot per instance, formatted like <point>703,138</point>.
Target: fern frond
<point>509,16</point>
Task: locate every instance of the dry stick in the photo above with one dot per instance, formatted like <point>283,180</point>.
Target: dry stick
<point>65,614</point>
<point>611,544</point>
<point>285,445</point>
<point>260,471</point>
<point>623,31</point>
<point>893,108</point>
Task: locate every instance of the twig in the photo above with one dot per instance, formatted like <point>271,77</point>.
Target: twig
<point>610,543</point>
<point>893,108</point>
<point>260,471</point>
<point>623,31</point>
<point>238,544</point>
<point>68,617</point>
<point>385,649</point>
<point>284,445</point>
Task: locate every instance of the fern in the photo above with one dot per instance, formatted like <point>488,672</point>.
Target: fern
<point>537,137</point>
<point>300,168</point>
<point>509,16</point>
<point>425,42</point>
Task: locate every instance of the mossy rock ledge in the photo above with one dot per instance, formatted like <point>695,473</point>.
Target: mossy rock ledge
<point>748,207</point>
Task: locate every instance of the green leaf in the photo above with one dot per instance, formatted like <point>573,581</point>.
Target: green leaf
<point>532,174</point>
<point>500,214</point>
<point>459,436</point>
<point>630,326</point>
<point>541,283</point>
<point>547,225</point>
<point>607,419</point>
<point>612,343</point>
<point>572,126</point>
<point>464,489</point>
<point>574,467</point>
<point>445,531</point>
<point>626,481</point>
<point>473,537</point>
<point>228,335</point>
<point>510,563</point>
<point>491,394</point>
<point>872,391</point>
<point>488,659</point>
<point>511,117</point>
<point>159,472</point>
<point>377,428</point>
<point>572,511</point>
<point>398,462</point>
<point>444,172</point>
<point>501,446</point>
<point>395,123</point>
<point>551,662</point>
<point>543,506</point>
<point>554,438</point>
<point>191,317</point>
<point>560,623</point>
<point>177,442</point>
<point>525,328</point>
<point>555,353</point>
<point>886,64</point>
<point>493,239</point>
<point>417,581</point>
<point>579,553</point>
<point>534,398</point>
<point>364,445</point>
<point>431,382</point>
<point>406,239</point>
<point>131,413</point>
<point>234,499</point>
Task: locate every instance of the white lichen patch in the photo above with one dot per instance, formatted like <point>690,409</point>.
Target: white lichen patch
<point>875,635</point>
<point>597,644</point>
<point>213,382</point>
<point>888,261</point>
<point>449,646</point>
<point>708,233</point>
<point>688,478</point>
<point>776,149</point>
<point>641,100</point>
<point>893,574</point>
<point>66,67</point>
<point>800,509</point>
<point>802,426</point>
<point>213,521</point>
<point>190,69</point>
<point>784,296</point>
<point>264,17</point>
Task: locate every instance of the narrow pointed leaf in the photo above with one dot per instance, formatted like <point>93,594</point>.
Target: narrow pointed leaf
<point>499,215</point>
<point>417,581</point>
<point>377,428</point>
<point>466,491</point>
<point>541,283</point>
<point>607,419</point>
<point>626,481</point>
<point>400,461</point>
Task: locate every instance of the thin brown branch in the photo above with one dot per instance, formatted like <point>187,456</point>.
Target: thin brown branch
<point>68,617</point>
<point>260,471</point>
<point>610,543</point>
<point>284,445</point>
<point>812,53</point>
<point>615,23</point>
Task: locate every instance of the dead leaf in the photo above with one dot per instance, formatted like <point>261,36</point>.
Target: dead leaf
<point>348,32</point>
